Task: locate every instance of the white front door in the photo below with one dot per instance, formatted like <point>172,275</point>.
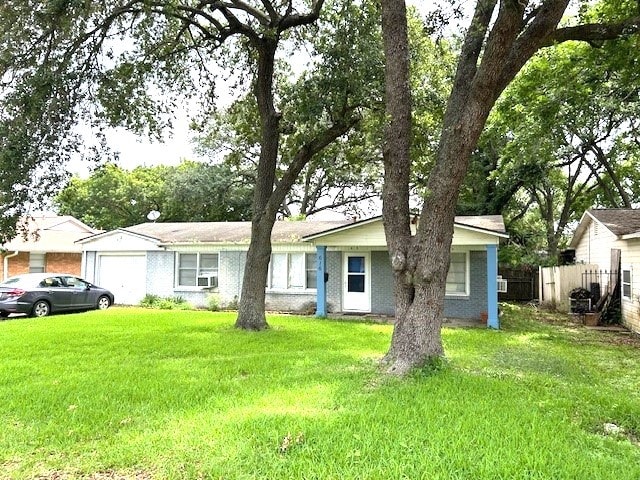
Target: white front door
<point>125,276</point>
<point>356,295</point>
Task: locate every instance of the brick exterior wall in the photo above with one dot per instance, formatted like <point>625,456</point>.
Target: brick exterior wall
<point>382,298</point>
<point>291,302</point>
<point>63,263</point>
<point>230,271</point>
<point>161,273</point>
<point>54,263</point>
<point>161,278</point>
<point>468,307</point>
<point>475,304</point>
<point>17,265</point>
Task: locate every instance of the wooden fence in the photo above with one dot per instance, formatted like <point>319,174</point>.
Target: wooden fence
<point>522,284</point>
<point>556,284</point>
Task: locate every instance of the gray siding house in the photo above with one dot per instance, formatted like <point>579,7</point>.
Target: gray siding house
<point>316,266</point>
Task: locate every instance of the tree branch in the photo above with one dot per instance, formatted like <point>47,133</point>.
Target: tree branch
<point>532,38</point>
<point>254,12</point>
<point>295,20</point>
<point>594,33</point>
<point>304,155</point>
<point>474,40</point>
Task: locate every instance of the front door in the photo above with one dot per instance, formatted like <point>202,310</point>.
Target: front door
<point>356,283</point>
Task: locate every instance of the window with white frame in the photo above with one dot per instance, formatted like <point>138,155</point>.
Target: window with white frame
<point>36,262</point>
<point>292,271</point>
<point>626,282</point>
<point>457,276</point>
<point>198,269</point>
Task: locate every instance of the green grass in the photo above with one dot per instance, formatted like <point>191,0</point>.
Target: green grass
<point>138,393</point>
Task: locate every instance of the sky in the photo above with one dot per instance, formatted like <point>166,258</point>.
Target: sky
<point>140,151</point>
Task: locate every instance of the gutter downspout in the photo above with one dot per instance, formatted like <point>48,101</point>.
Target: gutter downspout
<point>5,271</point>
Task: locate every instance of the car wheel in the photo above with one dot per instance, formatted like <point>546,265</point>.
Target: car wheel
<point>40,309</point>
<point>104,302</point>
<point>4,314</point>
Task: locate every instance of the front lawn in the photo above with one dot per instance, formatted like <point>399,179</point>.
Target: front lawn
<point>147,394</point>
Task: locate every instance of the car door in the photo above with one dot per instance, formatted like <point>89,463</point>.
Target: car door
<point>54,290</point>
<point>80,292</point>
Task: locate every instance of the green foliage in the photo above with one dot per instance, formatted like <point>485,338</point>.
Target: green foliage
<point>213,302</point>
<point>342,82</point>
<point>191,192</point>
<point>132,393</point>
<point>200,192</point>
<point>562,138</point>
<point>165,303</point>
<point>150,300</point>
<point>345,75</point>
<point>63,64</point>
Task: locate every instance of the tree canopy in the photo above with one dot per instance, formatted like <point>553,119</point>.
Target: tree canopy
<point>563,137</point>
<point>191,192</point>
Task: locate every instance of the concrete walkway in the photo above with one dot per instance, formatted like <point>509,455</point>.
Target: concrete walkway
<point>389,320</point>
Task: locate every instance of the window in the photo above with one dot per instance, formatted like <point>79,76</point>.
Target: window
<point>36,263</point>
<point>626,282</point>
<point>292,271</point>
<point>51,282</point>
<point>198,269</point>
<point>311,269</point>
<point>356,275</point>
<point>457,276</point>
<point>208,270</point>
<point>76,282</point>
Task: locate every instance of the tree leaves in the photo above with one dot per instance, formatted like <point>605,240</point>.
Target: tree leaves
<point>191,192</point>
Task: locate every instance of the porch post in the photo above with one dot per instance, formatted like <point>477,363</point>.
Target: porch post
<point>321,286</point>
<point>492,287</point>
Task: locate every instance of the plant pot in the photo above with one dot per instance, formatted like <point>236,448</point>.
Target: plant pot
<point>591,319</point>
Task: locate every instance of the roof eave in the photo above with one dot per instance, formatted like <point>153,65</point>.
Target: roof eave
<point>580,229</point>
<point>113,232</point>
<point>630,236</point>
<point>370,220</point>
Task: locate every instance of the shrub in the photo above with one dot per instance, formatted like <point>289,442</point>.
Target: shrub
<point>213,302</point>
<point>233,304</point>
<point>150,301</point>
<point>165,303</point>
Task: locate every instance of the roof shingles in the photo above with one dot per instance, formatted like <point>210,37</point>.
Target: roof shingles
<point>229,232</point>
<point>620,221</point>
<point>283,231</point>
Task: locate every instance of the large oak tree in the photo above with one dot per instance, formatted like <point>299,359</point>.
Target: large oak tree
<point>502,37</point>
<point>67,62</point>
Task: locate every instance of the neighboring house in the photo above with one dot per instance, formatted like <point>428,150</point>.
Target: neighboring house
<point>610,239</point>
<point>194,260</point>
<point>49,246</point>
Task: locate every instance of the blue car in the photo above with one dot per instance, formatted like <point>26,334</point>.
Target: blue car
<point>39,294</point>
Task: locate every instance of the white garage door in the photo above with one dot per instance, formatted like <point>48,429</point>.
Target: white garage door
<point>125,276</point>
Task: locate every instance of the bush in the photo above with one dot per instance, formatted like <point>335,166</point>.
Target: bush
<point>165,303</point>
<point>233,304</point>
<point>213,302</point>
<point>150,301</point>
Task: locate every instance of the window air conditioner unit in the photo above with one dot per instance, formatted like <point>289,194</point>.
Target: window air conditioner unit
<point>208,281</point>
<point>502,284</point>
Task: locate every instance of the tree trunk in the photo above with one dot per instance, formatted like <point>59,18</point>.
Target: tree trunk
<point>269,195</point>
<point>252,298</point>
<point>251,308</point>
<point>420,264</point>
